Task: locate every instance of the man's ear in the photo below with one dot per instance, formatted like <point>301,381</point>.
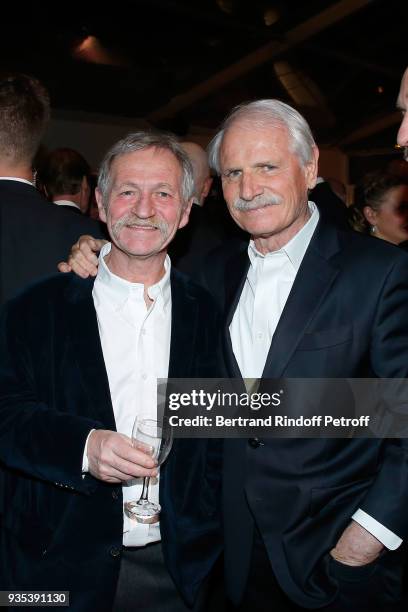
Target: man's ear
<point>84,194</point>
<point>186,213</point>
<point>206,188</point>
<point>101,208</point>
<point>311,168</point>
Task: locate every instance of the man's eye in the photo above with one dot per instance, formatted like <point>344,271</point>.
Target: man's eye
<point>268,167</point>
<point>163,194</point>
<point>127,193</point>
<point>232,174</point>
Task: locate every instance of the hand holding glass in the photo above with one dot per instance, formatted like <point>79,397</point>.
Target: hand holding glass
<point>155,438</point>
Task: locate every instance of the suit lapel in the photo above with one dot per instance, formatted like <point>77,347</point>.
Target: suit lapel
<point>84,333</point>
<point>184,315</point>
<point>235,275</point>
<point>184,321</point>
<point>313,280</point>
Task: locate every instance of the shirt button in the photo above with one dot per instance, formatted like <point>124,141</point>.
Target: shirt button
<point>143,331</point>
<point>114,551</point>
<point>259,335</point>
<point>144,376</point>
<point>255,442</point>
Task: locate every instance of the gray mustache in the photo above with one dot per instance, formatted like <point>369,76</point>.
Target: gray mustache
<point>262,201</point>
<point>130,221</point>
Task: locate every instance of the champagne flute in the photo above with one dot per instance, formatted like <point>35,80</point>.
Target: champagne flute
<point>155,438</point>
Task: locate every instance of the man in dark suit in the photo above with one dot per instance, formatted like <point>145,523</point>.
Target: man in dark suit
<point>209,225</point>
<point>309,523</point>
<point>331,207</point>
<point>79,359</point>
<point>34,235</point>
<point>65,177</point>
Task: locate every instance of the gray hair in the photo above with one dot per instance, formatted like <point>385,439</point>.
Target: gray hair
<point>267,113</point>
<point>138,141</point>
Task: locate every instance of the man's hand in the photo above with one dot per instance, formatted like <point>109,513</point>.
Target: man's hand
<point>82,259</point>
<point>356,546</point>
<point>112,458</point>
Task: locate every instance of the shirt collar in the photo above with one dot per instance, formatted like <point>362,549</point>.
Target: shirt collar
<point>18,180</point>
<point>66,203</point>
<point>118,290</point>
<point>295,249</point>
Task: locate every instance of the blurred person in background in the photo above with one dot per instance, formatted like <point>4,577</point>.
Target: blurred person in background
<point>34,235</point>
<point>65,178</point>
<point>381,207</point>
<point>402,104</point>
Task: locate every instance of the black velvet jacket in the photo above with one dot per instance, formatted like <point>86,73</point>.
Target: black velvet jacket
<point>58,529</point>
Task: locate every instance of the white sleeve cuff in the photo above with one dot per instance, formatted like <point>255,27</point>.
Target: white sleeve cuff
<point>85,464</point>
<point>383,534</point>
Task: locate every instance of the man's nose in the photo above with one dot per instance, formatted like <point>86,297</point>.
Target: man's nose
<point>402,137</point>
<point>249,187</point>
<point>143,206</point>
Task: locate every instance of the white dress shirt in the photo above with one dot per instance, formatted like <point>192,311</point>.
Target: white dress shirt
<point>263,298</point>
<point>136,348</point>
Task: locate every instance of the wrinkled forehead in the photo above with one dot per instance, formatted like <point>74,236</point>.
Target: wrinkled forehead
<point>246,136</point>
<point>149,162</point>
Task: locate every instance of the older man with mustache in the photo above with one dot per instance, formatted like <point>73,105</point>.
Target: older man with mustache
<point>309,523</point>
<point>79,360</point>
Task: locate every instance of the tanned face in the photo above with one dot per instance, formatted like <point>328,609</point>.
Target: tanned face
<point>264,183</point>
<point>145,205</point>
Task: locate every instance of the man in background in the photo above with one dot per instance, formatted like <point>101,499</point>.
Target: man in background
<point>34,234</point>
<point>64,175</point>
<point>402,105</point>
<point>329,195</point>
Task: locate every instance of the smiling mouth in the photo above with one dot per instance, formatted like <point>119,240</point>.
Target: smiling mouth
<point>255,208</point>
<point>141,227</point>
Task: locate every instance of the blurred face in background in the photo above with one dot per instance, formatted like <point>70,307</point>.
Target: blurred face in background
<point>402,104</point>
<point>390,219</point>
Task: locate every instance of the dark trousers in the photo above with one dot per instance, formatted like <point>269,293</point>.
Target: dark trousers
<point>373,588</point>
<point>146,586</point>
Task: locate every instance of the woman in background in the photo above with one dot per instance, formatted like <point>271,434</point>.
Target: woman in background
<point>381,207</point>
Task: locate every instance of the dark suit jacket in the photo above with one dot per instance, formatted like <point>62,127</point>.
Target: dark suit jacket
<point>346,316</point>
<point>34,236</point>
<point>208,227</point>
<point>332,209</point>
<point>69,208</point>
<point>59,530</point>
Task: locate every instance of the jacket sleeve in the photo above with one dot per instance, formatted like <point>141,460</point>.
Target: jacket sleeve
<point>387,498</point>
<point>35,438</point>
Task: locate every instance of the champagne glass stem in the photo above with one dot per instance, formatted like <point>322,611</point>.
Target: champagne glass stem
<point>146,482</point>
